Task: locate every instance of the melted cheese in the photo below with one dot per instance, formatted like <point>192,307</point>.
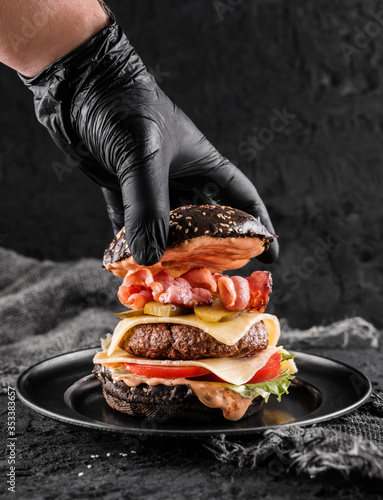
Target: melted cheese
<point>229,332</point>
<point>235,371</point>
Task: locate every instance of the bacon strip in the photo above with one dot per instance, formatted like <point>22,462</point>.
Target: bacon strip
<point>201,278</point>
<point>182,293</point>
<point>261,284</point>
<point>138,277</point>
<point>134,297</point>
<point>161,282</point>
<point>243,293</point>
<point>227,291</point>
<point>234,292</point>
<point>195,288</point>
<point>140,287</point>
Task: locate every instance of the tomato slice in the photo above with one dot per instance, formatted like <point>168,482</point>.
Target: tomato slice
<point>162,371</point>
<point>272,369</point>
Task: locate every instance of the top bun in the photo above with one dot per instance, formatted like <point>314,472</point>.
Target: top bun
<point>216,237</point>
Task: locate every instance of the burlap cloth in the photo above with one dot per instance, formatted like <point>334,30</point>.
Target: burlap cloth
<point>48,308</point>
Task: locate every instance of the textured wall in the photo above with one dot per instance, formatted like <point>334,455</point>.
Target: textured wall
<point>235,66</point>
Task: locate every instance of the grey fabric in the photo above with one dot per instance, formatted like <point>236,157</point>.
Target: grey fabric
<point>351,445</point>
<point>47,308</point>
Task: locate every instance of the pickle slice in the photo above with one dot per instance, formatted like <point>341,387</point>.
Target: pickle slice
<point>129,314</point>
<point>216,313</point>
<point>157,309</point>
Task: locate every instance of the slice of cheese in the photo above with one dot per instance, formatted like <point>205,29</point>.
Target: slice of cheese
<point>229,332</point>
<point>235,371</point>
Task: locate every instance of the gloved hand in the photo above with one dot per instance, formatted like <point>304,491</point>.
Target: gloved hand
<point>103,108</point>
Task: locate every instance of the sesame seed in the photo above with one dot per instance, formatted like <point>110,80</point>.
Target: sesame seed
<point>203,213</point>
<point>188,217</point>
<point>80,474</point>
<point>108,454</point>
<point>223,225</point>
<point>239,230</point>
<point>195,229</point>
<point>145,389</point>
<point>189,223</point>
<point>186,230</point>
<point>220,230</point>
<point>234,223</point>
<point>207,232</point>
<point>89,466</point>
<point>179,227</point>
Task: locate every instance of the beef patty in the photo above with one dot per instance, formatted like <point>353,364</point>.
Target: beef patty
<point>173,341</point>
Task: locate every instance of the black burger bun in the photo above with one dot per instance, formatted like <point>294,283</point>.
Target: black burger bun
<point>161,402</point>
<point>216,237</point>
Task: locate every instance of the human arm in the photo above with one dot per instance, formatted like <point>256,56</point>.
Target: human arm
<point>102,106</point>
<point>34,33</point>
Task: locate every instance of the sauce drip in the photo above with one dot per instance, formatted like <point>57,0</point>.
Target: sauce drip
<point>232,404</point>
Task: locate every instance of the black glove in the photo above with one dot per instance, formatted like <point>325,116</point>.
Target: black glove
<point>104,109</point>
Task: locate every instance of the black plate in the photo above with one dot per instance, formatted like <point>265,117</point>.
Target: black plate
<point>64,389</point>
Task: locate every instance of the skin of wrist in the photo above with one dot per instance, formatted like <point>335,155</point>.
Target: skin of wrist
<point>34,40</point>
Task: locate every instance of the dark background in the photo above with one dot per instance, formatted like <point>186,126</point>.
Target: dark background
<point>230,64</point>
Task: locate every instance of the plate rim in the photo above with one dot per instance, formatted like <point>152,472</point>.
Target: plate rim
<point>96,425</point>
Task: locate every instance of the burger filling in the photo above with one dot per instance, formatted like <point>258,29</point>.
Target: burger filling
<point>196,288</point>
<point>175,341</point>
<point>211,390</point>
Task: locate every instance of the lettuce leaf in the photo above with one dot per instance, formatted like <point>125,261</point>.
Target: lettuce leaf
<point>277,386</point>
<point>285,355</point>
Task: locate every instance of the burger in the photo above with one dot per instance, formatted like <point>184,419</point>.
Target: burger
<point>194,342</point>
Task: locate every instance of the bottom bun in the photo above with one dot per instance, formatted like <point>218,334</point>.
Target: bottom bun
<point>160,402</point>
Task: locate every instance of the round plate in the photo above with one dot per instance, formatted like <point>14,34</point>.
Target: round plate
<point>64,389</point>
